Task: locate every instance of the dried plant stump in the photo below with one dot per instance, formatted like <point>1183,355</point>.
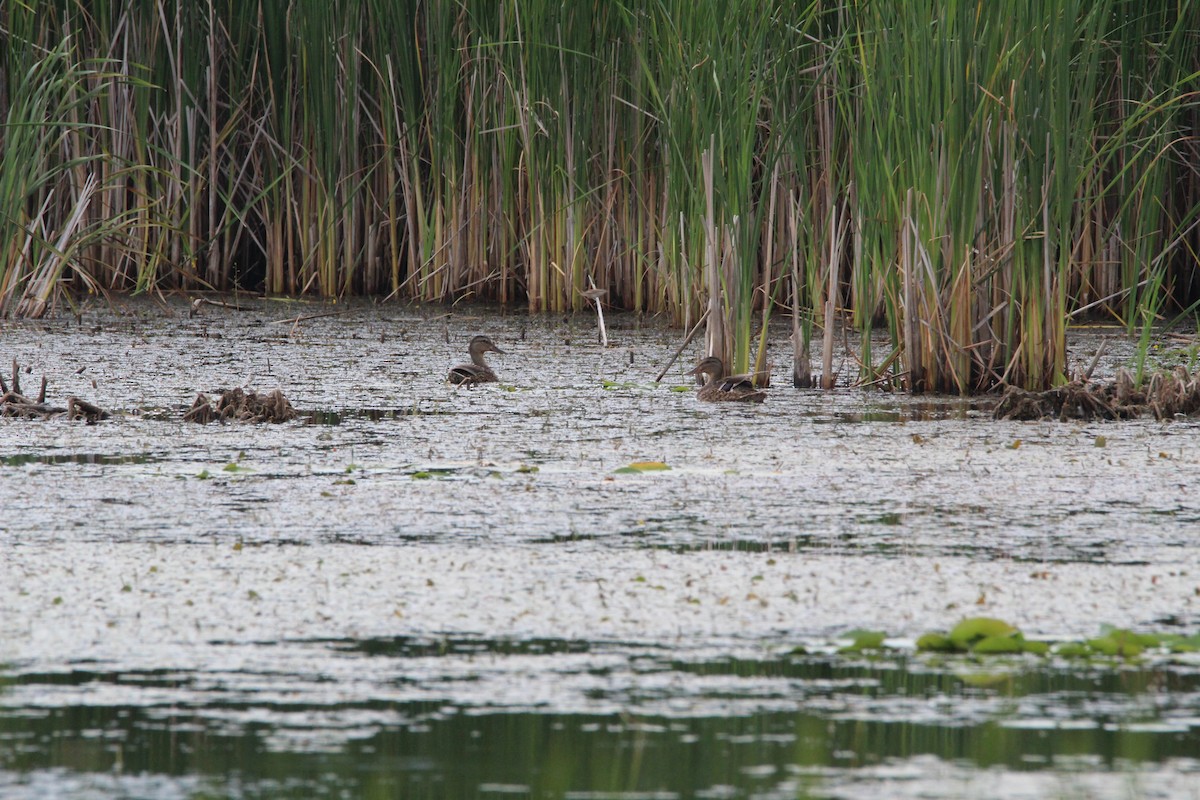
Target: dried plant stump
<point>241,405</point>
<point>1166,395</point>
<point>15,404</point>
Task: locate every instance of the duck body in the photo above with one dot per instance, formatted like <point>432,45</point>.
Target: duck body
<point>721,388</point>
<point>477,369</point>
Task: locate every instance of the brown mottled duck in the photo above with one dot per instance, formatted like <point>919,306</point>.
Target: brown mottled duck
<point>478,370</point>
<point>719,387</point>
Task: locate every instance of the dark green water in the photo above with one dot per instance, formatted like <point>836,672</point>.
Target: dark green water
<point>788,726</point>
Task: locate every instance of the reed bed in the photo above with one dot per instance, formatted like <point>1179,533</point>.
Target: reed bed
<point>969,176</point>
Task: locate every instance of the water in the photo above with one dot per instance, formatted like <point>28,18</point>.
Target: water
<point>421,591</point>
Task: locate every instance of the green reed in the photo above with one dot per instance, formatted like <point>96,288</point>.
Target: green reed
<point>967,177</point>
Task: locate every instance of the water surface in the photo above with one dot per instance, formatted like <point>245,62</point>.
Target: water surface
<point>421,591</point>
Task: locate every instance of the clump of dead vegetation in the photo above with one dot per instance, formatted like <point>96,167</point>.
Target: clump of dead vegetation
<point>241,405</point>
<point>13,403</point>
<point>1166,395</point>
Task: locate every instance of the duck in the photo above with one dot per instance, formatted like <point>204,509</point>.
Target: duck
<point>719,387</point>
<point>478,370</point>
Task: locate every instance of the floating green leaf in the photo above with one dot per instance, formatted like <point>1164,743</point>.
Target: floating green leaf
<point>1036,648</point>
<point>642,466</point>
<point>1073,650</point>
<point>1117,643</point>
<point>972,629</point>
<point>992,645</point>
<point>863,640</point>
<point>936,643</point>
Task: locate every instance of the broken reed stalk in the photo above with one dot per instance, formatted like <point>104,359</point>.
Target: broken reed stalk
<point>596,295</point>
<point>14,404</point>
<point>686,341</point>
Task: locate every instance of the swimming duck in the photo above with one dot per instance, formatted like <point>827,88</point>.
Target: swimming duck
<point>477,371</point>
<point>719,387</point>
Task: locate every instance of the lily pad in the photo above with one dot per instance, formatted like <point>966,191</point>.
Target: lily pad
<point>1143,639</point>
<point>992,645</point>
<point>1073,650</point>
<point>863,640</point>
<point>972,629</point>
<point>642,466</point>
<point>936,643</point>
<point>1117,643</point>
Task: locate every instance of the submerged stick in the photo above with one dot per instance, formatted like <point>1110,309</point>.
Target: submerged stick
<point>194,309</point>
<point>305,318</point>
<point>686,341</point>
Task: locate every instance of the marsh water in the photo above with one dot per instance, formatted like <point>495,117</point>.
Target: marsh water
<point>414,590</point>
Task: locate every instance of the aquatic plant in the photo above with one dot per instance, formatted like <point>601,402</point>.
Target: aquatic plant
<point>970,176</point>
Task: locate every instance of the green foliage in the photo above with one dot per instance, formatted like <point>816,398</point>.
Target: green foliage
<point>974,629</point>
<point>968,176</point>
<point>638,467</point>
<point>862,640</point>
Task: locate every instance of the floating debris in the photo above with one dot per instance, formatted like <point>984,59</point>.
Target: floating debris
<point>15,404</point>
<point>241,405</point>
<point>1165,395</point>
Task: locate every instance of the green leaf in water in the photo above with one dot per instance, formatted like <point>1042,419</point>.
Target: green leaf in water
<point>972,629</point>
<point>1073,650</point>
<point>233,466</point>
<point>993,645</point>
<point>936,643</point>
<point>642,466</point>
<point>1144,639</point>
<point>1036,648</point>
<point>681,388</point>
<point>1190,644</point>
<point>863,640</point>
<point>203,475</point>
<point>1117,643</point>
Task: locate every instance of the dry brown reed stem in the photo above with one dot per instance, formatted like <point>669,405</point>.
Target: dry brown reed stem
<point>14,404</point>
<point>686,341</point>
<point>1166,395</point>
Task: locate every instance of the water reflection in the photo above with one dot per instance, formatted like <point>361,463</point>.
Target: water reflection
<point>22,459</point>
<point>453,718</point>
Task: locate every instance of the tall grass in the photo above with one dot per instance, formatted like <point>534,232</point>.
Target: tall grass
<point>967,176</point>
